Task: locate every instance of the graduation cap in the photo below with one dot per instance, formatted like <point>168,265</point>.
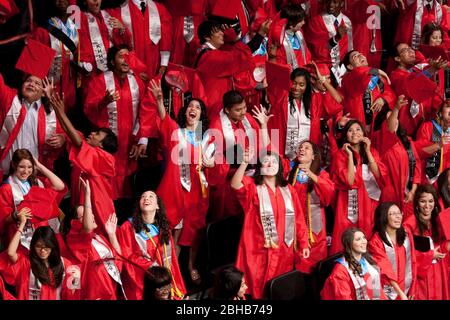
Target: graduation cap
<point>422,244</point>
<point>278,75</point>
<point>420,88</point>
<point>36,59</point>
<point>277,29</point>
<point>179,8</point>
<point>8,9</point>
<point>226,8</point>
<point>444,221</point>
<point>434,52</point>
<point>260,17</point>
<point>179,76</point>
<point>134,62</point>
<point>40,202</point>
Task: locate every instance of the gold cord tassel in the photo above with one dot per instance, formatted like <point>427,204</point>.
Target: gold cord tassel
<point>310,232</point>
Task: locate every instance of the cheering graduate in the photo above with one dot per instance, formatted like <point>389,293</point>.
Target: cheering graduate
<point>24,194</point>
<point>315,191</point>
<point>92,159</point>
<point>364,90</point>
<point>329,35</point>
<point>411,67</point>
<point>298,112</point>
<point>432,144</point>
<point>355,275</point>
<point>150,26</point>
<point>290,44</point>
<point>222,64</point>
<point>96,254</point>
<point>98,32</point>
<point>35,128</point>
<point>274,233</point>
<point>184,187</point>
<point>430,245</point>
<point>400,157</point>
<point>145,240</point>
<point>43,274</point>
<point>116,99</point>
<point>392,248</point>
<point>359,176</point>
<point>61,35</point>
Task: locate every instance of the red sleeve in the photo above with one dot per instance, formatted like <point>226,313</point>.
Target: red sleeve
<point>165,43</point>
<point>130,248</point>
<point>166,130</point>
<point>339,172</point>
<point>418,168</point>
<point>324,188</point>
<point>95,93</point>
<point>7,95</point>
<point>381,167</point>
<point>117,38</point>
<point>423,139</point>
<point>389,95</point>
<point>378,253</point>
<point>78,241</point>
<point>338,286</point>
<point>300,222</point>
<point>246,193</point>
<point>93,161</point>
<point>6,205</point>
<point>331,107</point>
<point>13,271</point>
<point>316,36</point>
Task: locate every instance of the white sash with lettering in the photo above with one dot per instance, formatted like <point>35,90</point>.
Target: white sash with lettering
<point>298,129</point>
<point>370,183</point>
<point>417,31</point>
<point>154,23</point>
<point>228,132</point>
<point>35,286</point>
<point>390,252</point>
<point>98,46</point>
<point>268,219</point>
<point>188,28</point>
<point>328,19</point>
<point>352,205</point>
<point>360,284</point>
<point>316,213</point>
<point>184,160</point>
<point>112,107</point>
<point>167,259</point>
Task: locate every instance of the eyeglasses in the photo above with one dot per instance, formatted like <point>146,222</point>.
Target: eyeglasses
<point>398,214</point>
<point>166,289</point>
<point>405,50</point>
<point>40,248</point>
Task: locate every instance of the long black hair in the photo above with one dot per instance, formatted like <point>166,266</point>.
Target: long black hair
<point>160,221</point>
<point>381,221</point>
<point>47,236</point>
<point>280,180</point>
<point>347,242</point>
<point>227,283</point>
<point>181,117</point>
<point>421,189</point>
<point>315,165</point>
<point>362,151</point>
<point>306,97</point>
<point>444,188</point>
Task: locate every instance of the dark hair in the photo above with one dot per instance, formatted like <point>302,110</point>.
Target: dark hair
<point>259,179</point>
<point>421,189</point>
<point>23,154</point>
<point>160,221</point>
<point>293,14</point>
<point>206,29</point>
<point>154,278</point>
<point>39,269</point>
<point>110,142</point>
<point>181,118</point>
<point>346,60</point>
<point>306,98</point>
<point>362,151</point>
<point>347,242</point>
<point>231,98</point>
<point>381,221</point>
<point>428,30</point>
<point>315,165</point>
<point>444,188</point>
<point>112,52</point>
<point>227,283</point>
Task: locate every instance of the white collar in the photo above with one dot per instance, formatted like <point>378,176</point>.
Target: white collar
<point>339,17</point>
<point>36,103</point>
<point>138,3</point>
<point>209,45</point>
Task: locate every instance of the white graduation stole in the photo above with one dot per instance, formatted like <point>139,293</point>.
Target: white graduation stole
<point>417,30</point>
<point>328,19</point>
<point>298,129</point>
<point>97,44</point>
<point>154,25</point>
<point>370,183</point>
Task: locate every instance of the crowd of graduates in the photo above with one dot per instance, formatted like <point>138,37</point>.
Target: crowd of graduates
<point>324,124</point>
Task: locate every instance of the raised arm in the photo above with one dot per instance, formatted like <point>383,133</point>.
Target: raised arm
<point>111,227</point>
<point>155,88</point>
<point>23,215</point>
<point>88,215</point>
<point>57,183</point>
<point>236,181</point>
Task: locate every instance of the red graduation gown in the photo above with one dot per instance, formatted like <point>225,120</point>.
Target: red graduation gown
<point>378,253</point>
<point>97,166</point>
<point>424,139</point>
<point>184,52</point>
<point>18,275</point>
<point>322,106</point>
<point>354,84</point>
<point>133,278</point>
<point>86,49</point>
<point>125,166</point>
<point>366,205</point>
<point>432,278</point>
<point>221,195</point>
<point>395,157</point>
<point>180,203</point>
<point>4,294</point>
<point>146,50</point>
<point>324,189</point>
<point>96,283</point>
<point>261,264</point>
<point>427,109</point>
<point>339,285</point>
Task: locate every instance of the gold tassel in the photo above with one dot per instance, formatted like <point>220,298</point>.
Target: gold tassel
<point>267,243</point>
<point>308,204</point>
<point>295,177</point>
<point>273,245</point>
